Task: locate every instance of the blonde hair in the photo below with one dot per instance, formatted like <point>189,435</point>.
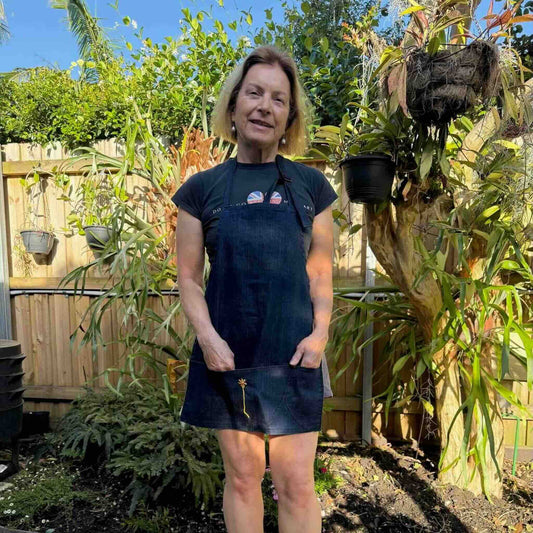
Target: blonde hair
<point>296,135</point>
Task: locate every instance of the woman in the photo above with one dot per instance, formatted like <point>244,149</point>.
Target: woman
<point>257,363</point>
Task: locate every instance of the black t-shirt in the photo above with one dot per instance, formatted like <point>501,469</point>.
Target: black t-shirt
<point>202,195</point>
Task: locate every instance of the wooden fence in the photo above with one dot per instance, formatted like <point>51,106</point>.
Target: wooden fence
<point>43,317</point>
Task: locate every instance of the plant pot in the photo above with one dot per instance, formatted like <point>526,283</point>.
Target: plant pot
<point>10,382</point>
<point>368,177</point>
<point>10,399</point>
<point>37,241</point>
<point>10,422</point>
<point>97,236</point>
<point>35,423</point>
<point>11,365</point>
<point>445,85</point>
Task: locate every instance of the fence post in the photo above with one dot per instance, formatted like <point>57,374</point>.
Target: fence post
<point>5,304</point>
<point>368,363</point>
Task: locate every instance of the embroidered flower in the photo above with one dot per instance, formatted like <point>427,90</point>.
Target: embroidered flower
<point>242,383</point>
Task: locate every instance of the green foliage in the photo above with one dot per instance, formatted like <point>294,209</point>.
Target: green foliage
<point>473,246</point>
<point>168,82</point>
<point>329,66</point>
<point>325,480</point>
<point>137,435</point>
<point>96,199</point>
<point>403,355</point>
<point>92,41</point>
<point>45,105</point>
<point>149,522</point>
<point>38,492</point>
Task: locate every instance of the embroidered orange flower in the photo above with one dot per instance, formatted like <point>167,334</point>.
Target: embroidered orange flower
<point>242,383</point>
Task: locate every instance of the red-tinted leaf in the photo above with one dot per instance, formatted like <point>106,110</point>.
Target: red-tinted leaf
<point>466,34</point>
<point>421,16</point>
<point>393,79</point>
<point>505,17</point>
<point>521,18</point>
<point>396,82</point>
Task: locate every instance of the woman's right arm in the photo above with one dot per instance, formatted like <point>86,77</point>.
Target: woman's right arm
<point>190,265</point>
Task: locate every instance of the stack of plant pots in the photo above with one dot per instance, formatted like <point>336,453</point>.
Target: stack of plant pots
<point>11,400</point>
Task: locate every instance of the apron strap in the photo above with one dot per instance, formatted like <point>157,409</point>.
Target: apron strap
<point>302,215</point>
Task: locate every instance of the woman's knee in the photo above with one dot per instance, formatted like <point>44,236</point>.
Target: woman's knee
<point>292,467</point>
<point>295,486</point>
<point>244,459</point>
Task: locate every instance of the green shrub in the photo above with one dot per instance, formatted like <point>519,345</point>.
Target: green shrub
<point>139,437</point>
<point>37,492</point>
<point>45,105</point>
<point>158,521</point>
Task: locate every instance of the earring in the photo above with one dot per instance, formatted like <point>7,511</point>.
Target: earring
<point>233,129</point>
<point>283,140</point>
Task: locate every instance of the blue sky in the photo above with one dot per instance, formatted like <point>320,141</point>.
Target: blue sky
<point>39,36</point>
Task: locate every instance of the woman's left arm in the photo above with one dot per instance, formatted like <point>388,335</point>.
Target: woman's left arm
<point>319,270</point>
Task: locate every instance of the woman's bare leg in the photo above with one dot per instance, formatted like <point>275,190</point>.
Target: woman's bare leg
<point>243,453</point>
<point>291,459</point>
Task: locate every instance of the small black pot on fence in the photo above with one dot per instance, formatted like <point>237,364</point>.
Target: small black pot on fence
<point>368,177</point>
<point>442,86</point>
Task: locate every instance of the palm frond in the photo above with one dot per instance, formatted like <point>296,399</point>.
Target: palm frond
<point>93,43</point>
<point>4,30</point>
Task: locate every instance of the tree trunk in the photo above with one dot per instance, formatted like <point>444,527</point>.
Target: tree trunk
<point>392,239</point>
<point>448,399</point>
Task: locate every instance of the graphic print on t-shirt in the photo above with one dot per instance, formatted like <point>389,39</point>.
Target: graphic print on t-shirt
<point>275,198</point>
<point>255,197</point>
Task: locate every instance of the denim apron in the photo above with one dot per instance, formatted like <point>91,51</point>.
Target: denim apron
<point>259,302</point>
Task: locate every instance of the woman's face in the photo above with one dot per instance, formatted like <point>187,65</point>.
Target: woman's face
<point>262,107</point>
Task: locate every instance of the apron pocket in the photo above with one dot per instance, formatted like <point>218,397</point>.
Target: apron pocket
<point>304,395</point>
<point>265,396</point>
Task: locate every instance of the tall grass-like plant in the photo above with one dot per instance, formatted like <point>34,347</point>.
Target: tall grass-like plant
<point>139,260</point>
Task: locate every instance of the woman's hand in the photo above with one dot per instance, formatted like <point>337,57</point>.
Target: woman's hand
<point>309,350</point>
<point>217,353</point>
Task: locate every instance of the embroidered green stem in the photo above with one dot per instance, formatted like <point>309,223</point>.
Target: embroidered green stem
<point>242,383</point>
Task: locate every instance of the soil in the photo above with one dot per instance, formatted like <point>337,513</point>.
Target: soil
<point>385,489</point>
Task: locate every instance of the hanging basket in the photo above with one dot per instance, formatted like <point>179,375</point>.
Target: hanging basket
<point>368,178</point>
<point>97,236</point>
<point>443,86</point>
<point>37,241</point>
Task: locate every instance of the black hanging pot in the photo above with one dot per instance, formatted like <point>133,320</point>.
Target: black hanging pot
<point>368,177</point>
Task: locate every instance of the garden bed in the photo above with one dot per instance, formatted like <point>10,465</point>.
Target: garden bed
<point>378,489</point>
